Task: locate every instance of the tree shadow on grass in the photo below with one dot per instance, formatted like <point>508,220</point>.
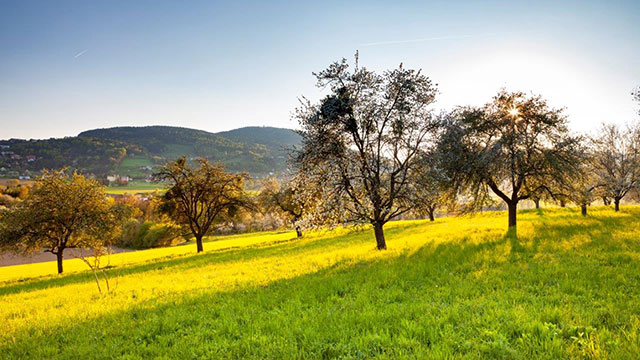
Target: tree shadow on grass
<point>567,225</point>
<point>219,256</point>
<point>168,327</point>
<point>317,314</point>
<point>512,238</point>
<point>573,225</point>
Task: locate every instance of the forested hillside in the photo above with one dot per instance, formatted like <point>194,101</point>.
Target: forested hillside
<point>134,151</point>
<point>88,155</point>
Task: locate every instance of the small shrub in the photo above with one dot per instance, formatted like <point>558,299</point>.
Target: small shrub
<point>160,235</point>
<point>7,201</point>
<point>148,235</point>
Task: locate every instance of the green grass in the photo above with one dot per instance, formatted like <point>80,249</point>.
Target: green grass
<point>563,287</point>
<point>174,151</point>
<point>134,187</point>
<point>130,166</point>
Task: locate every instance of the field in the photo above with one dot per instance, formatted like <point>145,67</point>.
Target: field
<point>135,187</point>
<point>130,166</point>
<point>563,287</point>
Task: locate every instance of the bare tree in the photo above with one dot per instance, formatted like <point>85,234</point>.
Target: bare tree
<point>616,160</point>
<point>514,146</point>
<point>94,259</point>
<point>363,139</point>
<point>197,197</point>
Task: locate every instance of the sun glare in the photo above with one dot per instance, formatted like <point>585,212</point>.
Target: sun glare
<point>514,112</point>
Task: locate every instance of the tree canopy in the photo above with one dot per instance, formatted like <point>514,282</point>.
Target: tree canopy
<point>285,199</point>
<point>61,212</point>
<point>363,139</point>
<point>430,185</point>
<point>514,146</point>
<point>616,160</point>
<point>198,197</point>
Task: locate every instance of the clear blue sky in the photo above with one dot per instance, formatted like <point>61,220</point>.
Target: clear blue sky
<point>68,66</point>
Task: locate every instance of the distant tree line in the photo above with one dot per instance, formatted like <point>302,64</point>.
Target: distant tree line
<point>87,155</point>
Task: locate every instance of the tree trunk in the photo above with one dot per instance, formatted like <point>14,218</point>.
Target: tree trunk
<point>377,229</point>
<point>583,207</point>
<point>298,231</point>
<point>513,210</point>
<point>199,243</point>
<point>537,202</point>
<point>606,201</point>
<point>562,203</point>
<point>616,202</point>
<point>431,217</point>
<point>59,256</point>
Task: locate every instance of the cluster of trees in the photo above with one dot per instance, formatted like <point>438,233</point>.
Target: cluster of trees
<point>375,151</point>
<point>64,210</point>
<point>372,151</point>
<point>70,211</point>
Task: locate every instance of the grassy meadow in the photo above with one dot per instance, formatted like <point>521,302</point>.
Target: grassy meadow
<point>135,187</point>
<point>130,166</point>
<point>564,286</point>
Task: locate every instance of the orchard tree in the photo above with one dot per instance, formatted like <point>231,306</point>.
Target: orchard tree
<point>198,197</point>
<point>616,160</point>
<point>430,186</point>
<point>536,200</point>
<point>285,199</point>
<point>514,146</point>
<point>363,139</point>
<point>61,212</point>
<point>540,191</point>
<point>583,188</point>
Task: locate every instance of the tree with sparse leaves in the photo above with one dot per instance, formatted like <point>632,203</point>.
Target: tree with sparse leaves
<point>199,197</point>
<point>285,199</point>
<point>616,160</point>
<point>430,186</point>
<point>61,212</point>
<point>364,139</point>
<point>583,188</point>
<point>514,146</point>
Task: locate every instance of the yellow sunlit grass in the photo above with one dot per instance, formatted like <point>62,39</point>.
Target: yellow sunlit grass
<point>73,265</point>
<point>156,278</point>
<point>138,288</point>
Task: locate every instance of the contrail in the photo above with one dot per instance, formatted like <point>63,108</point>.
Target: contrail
<point>80,53</point>
<point>417,40</point>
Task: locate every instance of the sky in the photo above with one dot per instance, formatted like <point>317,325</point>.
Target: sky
<point>69,66</point>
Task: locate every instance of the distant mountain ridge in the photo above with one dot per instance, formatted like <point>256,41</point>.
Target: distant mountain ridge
<point>135,151</point>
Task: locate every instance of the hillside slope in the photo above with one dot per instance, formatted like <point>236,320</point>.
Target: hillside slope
<point>89,155</point>
<point>273,138</point>
<point>257,150</point>
<point>565,287</point>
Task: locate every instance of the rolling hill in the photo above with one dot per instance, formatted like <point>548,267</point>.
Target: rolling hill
<point>135,151</point>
